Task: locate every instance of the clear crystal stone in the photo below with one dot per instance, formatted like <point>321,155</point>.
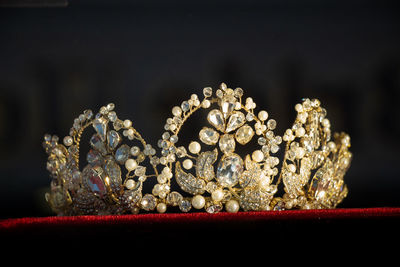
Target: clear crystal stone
<point>213,208</point>
<point>249,116</point>
<point>174,198</point>
<point>100,125</point>
<point>185,106</point>
<point>208,136</point>
<point>236,120</point>
<point>122,154</point>
<point>227,143</point>
<point>185,205</point>
<point>216,119</point>
<point>113,171</point>
<point>271,124</point>
<point>88,114</point>
<point>98,144</point>
<point>93,157</point>
<point>229,169</point>
<point>207,91</point>
<point>244,134</point>
<point>113,139</point>
<point>228,104</point>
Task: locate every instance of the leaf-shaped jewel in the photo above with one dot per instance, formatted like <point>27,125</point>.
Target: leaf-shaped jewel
<point>188,182</point>
<point>216,119</point>
<point>204,165</point>
<point>250,177</point>
<point>236,120</point>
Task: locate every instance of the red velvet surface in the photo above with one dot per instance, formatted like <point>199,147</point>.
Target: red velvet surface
<point>306,232</point>
<point>13,224</point>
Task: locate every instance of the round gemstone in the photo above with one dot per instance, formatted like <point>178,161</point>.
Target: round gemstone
<point>229,170</point>
<point>244,134</point>
<point>208,136</point>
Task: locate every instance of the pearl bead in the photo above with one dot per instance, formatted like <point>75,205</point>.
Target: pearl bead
<point>300,132</point>
<point>298,107</point>
<point>206,103</point>
<point>258,156</point>
<point>263,115</point>
<point>130,184</point>
<point>194,147</point>
<point>187,164</point>
<point>198,202</point>
<point>127,123</point>
<point>68,140</point>
<point>217,195</point>
<point>176,111</point>
<point>130,164</point>
<point>161,207</point>
<point>232,206</point>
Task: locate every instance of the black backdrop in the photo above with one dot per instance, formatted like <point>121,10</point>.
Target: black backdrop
<point>147,56</point>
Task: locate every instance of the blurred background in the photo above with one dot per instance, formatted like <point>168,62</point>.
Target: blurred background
<point>59,58</point>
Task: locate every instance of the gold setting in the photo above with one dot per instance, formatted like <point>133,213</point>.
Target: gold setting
<point>209,173</point>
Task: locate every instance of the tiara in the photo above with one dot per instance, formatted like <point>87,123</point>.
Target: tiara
<point>204,174</point>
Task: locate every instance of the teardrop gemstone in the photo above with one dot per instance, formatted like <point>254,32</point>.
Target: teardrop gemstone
<point>113,139</point>
<point>236,120</point>
<point>93,178</point>
<point>100,125</point>
<point>216,119</point>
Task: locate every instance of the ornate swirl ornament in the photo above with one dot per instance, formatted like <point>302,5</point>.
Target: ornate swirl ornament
<point>124,174</point>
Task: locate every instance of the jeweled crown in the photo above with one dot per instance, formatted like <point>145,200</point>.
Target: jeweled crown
<point>208,174</point>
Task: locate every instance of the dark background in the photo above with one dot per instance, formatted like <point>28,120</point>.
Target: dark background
<point>147,56</point>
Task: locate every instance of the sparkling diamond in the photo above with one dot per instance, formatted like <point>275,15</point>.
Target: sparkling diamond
<point>98,144</point>
<point>100,125</point>
<point>213,208</point>
<point>216,119</point>
<point>244,134</point>
<point>236,120</point>
<point>113,139</point>
<point>207,91</point>
<point>208,136</point>
<point>227,143</point>
<point>122,154</point>
<point>185,205</point>
<point>229,170</point>
<point>228,104</point>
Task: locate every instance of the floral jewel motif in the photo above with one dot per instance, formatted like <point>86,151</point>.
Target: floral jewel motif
<point>206,174</point>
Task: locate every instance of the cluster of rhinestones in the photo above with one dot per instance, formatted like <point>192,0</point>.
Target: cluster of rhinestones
<point>205,174</point>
